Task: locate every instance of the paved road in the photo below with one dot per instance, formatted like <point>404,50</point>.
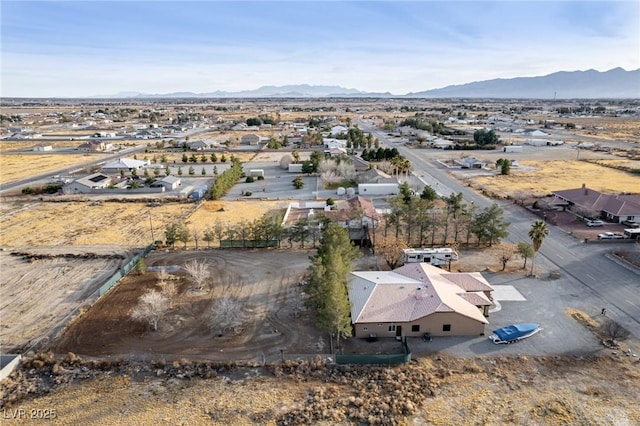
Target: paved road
<point>586,270</point>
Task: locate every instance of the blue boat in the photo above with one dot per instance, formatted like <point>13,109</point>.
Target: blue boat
<point>515,332</point>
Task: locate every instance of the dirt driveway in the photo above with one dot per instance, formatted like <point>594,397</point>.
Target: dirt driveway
<point>264,282</point>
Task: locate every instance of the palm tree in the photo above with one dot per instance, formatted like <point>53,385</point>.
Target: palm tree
<point>537,233</point>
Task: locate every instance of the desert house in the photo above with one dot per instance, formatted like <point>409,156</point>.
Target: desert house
<point>86,184</point>
<point>169,183</point>
<point>357,214</point>
<point>615,208</point>
<point>124,164</point>
<point>250,139</point>
<point>418,298</point>
<point>95,146</point>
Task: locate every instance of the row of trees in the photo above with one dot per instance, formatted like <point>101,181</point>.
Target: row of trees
<point>227,179</point>
<point>203,158</point>
<point>425,219</point>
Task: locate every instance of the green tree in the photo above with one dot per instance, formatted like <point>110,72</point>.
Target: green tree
<point>185,159</point>
<point>214,157</point>
<point>192,171</point>
<point>485,137</point>
<point>428,193</point>
<point>505,168</point>
<point>525,250</point>
<point>538,232</point>
<point>203,172</point>
<point>329,272</point>
<point>298,183</point>
<point>489,225</point>
<point>179,171</point>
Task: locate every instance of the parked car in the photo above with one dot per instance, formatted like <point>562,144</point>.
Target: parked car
<point>631,223</point>
<point>610,236</point>
<point>595,223</point>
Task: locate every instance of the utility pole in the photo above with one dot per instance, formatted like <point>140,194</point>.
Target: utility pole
<point>151,225</point>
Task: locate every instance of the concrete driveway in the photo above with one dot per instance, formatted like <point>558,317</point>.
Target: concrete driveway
<point>546,301</point>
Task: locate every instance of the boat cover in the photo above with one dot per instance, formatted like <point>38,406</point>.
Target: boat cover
<point>515,331</point>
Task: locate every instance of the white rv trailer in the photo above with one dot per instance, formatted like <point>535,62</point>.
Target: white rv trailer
<point>435,256</point>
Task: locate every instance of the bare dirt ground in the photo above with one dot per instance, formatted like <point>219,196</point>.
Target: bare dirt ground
<point>264,282</point>
<point>40,287</point>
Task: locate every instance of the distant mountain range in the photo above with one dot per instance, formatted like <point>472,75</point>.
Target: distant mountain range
<point>591,84</point>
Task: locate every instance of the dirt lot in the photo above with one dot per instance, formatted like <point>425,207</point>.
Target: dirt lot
<point>271,300</point>
<point>38,294</point>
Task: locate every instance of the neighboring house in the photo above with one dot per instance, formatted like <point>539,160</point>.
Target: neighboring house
<point>94,146</point>
<point>418,298</point>
<point>336,130</point>
<point>615,208</point>
<point>359,164</point>
<point>375,176</point>
<point>148,134</point>
<point>330,143</point>
<point>250,139</point>
<point>27,135</point>
<point>442,143</point>
<point>103,135</point>
<point>199,145</point>
<point>537,133</point>
<point>125,164</point>
<point>357,214</point>
<point>470,163</point>
<point>87,183</point>
<point>169,183</point>
<point>40,148</point>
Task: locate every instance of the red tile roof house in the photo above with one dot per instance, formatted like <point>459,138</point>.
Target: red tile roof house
<point>418,298</point>
<point>615,208</point>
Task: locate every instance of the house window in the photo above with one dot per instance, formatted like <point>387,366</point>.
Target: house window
<point>415,327</point>
<point>446,327</point>
<point>364,329</point>
<point>392,328</point>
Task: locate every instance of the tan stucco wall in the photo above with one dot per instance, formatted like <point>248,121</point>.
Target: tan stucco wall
<point>460,326</point>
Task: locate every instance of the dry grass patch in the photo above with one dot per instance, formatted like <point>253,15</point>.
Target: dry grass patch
<point>84,223</point>
<point>211,212</point>
<point>21,166</point>
<point>548,176</point>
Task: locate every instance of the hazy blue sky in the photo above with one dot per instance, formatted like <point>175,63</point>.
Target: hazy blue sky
<point>81,48</point>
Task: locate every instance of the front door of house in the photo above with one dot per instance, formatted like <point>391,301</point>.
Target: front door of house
<point>398,331</point>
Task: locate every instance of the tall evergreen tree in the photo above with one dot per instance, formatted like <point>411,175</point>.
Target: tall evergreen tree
<point>329,271</point>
